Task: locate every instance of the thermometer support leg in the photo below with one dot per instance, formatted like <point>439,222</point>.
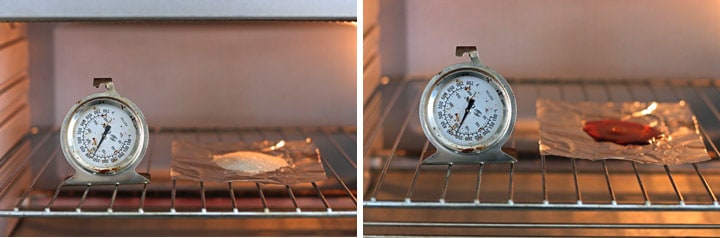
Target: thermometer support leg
<point>488,157</point>
<point>84,178</point>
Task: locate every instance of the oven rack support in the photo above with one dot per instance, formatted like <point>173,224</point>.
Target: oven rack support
<point>406,197</point>
<point>32,174</point>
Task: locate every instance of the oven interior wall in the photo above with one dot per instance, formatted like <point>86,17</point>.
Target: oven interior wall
<point>212,74</point>
<point>556,38</point>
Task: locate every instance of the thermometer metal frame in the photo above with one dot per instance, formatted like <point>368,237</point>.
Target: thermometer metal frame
<point>481,154</point>
<point>124,173</point>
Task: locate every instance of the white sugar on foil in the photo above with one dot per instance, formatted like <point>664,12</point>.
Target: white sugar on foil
<point>249,162</point>
<point>277,162</point>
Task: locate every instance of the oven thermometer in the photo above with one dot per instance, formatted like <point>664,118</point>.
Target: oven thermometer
<point>468,111</point>
<point>104,137</point>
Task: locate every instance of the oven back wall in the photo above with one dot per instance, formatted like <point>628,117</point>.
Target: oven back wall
<point>213,74</point>
<point>556,38</point>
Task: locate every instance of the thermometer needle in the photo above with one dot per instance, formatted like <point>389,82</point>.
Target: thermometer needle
<point>471,103</point>
<point>102,138</point>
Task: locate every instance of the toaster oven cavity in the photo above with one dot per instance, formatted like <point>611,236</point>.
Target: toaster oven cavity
<point>539,195</point>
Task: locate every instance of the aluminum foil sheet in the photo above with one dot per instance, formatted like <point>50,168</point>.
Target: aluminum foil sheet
<point>279,162</point>
<point>562,134</point>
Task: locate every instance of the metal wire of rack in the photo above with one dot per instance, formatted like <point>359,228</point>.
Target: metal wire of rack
<point>539,192</point>
<point>31,182</point>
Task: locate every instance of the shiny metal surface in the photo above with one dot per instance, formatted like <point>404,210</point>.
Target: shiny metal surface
<point>85,173</point>
<point>54,10</point>
<point>549,196</point>
<point>187,227</point>
<point>481,150</point>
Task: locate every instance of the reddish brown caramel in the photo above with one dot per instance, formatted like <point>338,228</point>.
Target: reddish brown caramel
<point>620,132</point>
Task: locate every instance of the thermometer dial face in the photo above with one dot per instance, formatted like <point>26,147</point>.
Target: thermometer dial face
<point>104,135</point>
<point>467,111</point>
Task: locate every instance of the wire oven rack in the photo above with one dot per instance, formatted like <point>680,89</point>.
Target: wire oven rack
<point>539,195</point>
<point>31,176</point>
